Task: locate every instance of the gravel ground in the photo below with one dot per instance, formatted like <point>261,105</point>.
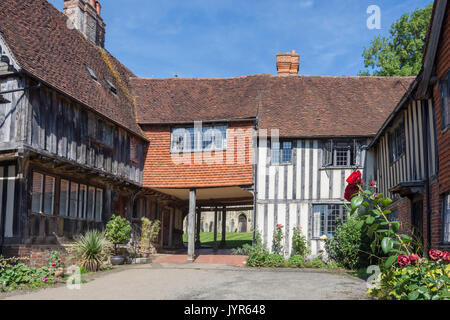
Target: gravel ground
<point>205,281</point>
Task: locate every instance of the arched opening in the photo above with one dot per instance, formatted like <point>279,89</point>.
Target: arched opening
<point>242,223</point>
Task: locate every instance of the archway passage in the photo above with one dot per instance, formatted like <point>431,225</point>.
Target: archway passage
<point>225,206</point>
<point>243,223</point>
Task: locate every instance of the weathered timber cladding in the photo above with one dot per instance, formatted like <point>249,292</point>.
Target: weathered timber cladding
<point>64,129</point>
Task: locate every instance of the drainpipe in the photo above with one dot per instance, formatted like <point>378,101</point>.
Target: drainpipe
<point>255,178</point>
<point>427,172</point>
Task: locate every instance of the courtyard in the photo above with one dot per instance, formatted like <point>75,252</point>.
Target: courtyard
<point>199,281</point>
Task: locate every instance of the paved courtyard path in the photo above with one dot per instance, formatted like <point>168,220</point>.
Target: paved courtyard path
<point>209,281</point>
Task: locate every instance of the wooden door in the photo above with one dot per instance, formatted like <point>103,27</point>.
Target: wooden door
<point>166,227</point>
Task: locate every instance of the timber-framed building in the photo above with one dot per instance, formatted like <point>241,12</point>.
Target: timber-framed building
<point>82,138</point>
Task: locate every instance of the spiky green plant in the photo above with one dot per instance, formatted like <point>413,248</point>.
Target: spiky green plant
<point>91,249</point>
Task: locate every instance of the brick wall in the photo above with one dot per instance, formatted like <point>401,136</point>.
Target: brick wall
<point>443,136</point>
<point>161,171</point>
<point>38,255</point>
<point>403,207</point>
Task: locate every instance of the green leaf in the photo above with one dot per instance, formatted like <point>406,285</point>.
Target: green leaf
<point>366,204</point>
<point>387,202</point>
<point>413,295</point>
<point>370,220</point>
<point>390,261</point>
<point>387,244</point>
<point>395,226</point>
<point>357,201</point>
<point>406,237</point>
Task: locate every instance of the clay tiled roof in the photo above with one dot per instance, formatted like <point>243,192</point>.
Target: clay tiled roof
<point>299,106</point>
<point>44,46</point>
<point>184,100</point>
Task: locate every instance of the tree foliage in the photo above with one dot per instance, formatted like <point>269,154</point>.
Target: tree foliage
<point>401,53</point>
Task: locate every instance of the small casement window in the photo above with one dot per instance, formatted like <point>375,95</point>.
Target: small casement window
<point>341,153</point>
<point>326,219</point>
<point>91,204</point>
<point>82,204</point>
<point>42,194</point>
<point>36,191</point>
<point>98,205</point>
<point>91,73</point>
<point>111,87</point>
<point>445,97</point>
<point>281,152</point>
<point>73,200</point>
<point>210,138</point>
<point>397,142</point>
<point>446,219</point>
<point>64,197</point>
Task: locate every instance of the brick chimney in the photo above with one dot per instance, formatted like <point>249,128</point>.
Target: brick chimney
<point>85,16</point>
<point>288,63</point>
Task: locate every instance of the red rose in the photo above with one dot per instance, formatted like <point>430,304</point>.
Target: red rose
<point>350,192</point>
<point>436,254</point>
<point>403,260</point>
<point>279,226</point>
<point>414,258</point>
<point>354,178</point>
<point>446,256</point>
<point>373,183</point>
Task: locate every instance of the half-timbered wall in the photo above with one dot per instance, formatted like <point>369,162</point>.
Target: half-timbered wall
<point>287,194</point>
<point>420,142</point>
<point>61,128</point>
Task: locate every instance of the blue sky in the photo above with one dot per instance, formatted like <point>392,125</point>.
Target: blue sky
<point>222,38</point>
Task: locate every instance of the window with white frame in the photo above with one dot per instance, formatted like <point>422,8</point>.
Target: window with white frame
<point>326,218</point>
<point>341,153</point>
<point>281,152</point>
<point>98,205</point>
<point>42,194</point>
<point>64,197</point>
<point>446,219</point>
<point>82,204</point>
<point>91,203</point>
<point>445,97</point>
<point>209,138</point>
<point>397,142</point>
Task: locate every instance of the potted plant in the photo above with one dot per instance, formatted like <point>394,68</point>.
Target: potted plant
<point>91,249</point>
<point>118,231</point>
<point>149,235</point>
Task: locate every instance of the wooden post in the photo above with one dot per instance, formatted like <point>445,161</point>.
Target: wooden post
<point>224,227</point>
<point>198,244</point>
<point>191,225</point>
<point>215,230</point>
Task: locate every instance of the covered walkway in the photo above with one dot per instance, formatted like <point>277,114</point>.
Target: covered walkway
<point>204,256</point>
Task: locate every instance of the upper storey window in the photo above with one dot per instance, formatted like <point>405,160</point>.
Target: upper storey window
<point>197,139</point>
<point>397,142</point>
<point>341,153</point>
<point>281,152</point>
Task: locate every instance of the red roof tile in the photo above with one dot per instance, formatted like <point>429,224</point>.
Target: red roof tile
<point>37,34</point>
<point>300,106</point>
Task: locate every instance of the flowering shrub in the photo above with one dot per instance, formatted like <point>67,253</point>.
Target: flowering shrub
<point>299,243</point>
<point>405,275</point>
<point>277,246</point>
<point>55,261</point>
<point>15,275</point>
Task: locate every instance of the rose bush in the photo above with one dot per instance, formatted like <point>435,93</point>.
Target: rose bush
<point>404,274</point>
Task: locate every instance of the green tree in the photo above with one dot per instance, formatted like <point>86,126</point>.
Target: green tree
<point>401,53</point>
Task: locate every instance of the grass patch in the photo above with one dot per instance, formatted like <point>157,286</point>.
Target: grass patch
<point>233,239</point>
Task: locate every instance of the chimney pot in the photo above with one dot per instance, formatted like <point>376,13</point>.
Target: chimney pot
<point>288,63</point>
<point>92,3</point>
<point>98,6</point>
